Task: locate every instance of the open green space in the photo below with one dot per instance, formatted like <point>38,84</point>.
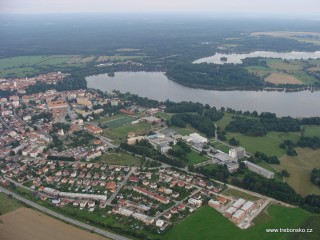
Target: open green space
<point>120,158</point>
<point>299,168</point>
<point>120,133</point>
<point>8,204</point>
<point>268,144</point>
<point>185,131</point>
<point>163,115</point>
<point>106,119</point>
<point>207,224</point>
<point>311,131</point>
<point>280,65</point>
<point>194,158</point>
<point>118,122</point>
<point>239,194</point>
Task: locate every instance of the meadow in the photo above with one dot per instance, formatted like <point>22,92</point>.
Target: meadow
<point>207,224</point>
<point>8,204</point>
<point>299,168</point>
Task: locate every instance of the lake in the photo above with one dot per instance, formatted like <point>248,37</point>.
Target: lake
<point>237,58</point>
<point>155,85</point>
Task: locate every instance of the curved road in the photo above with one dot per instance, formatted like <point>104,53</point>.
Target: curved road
<point>64,218</point>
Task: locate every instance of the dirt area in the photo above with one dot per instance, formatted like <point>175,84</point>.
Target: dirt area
<point>281,78</point>
<point>28,224</point>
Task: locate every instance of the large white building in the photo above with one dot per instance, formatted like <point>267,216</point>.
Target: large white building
<point>237,153</point>
<point>259,170</point>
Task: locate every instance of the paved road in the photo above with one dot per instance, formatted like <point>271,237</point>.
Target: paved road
<point>121,185</point>
<point>66,219</point>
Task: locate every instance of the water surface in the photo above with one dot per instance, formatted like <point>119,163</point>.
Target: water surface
<point>155,85</point>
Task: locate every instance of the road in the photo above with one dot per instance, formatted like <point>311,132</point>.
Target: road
<point>121,185</point>
<point>66,219</point>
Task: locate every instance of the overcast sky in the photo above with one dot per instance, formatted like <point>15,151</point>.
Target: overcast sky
<point>294,8</point>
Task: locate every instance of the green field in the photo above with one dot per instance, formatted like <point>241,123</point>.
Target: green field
<point>31,65</point>
<point>280,65</point>
<point>7,204</point>
<point>163,115</point>
<point>194,158</point>
<point>120,133</point>
<point>299,168</point>
<point>207,224</point>
<point>311,131</point>
<point>120,159</point>
<point>268,144</point>
<point>185,131</point>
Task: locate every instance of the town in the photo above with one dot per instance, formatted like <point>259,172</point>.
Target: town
<point>53,145</point>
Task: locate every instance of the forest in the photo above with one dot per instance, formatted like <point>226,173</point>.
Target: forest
<point>213,76</point>
<point>201,123</point>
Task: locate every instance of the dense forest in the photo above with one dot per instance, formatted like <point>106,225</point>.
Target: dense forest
<point>265,122</point>
<point>201,123</point>
<point>213,76</point>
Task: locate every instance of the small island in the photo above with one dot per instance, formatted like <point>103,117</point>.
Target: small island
<point>224,59</point>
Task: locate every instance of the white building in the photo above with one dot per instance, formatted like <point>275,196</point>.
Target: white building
<point>237,204</point>
<point>237,153</point>
<point>197,138</point>
<point>259,170</point>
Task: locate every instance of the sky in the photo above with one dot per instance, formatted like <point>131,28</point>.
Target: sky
<point>294,8</point>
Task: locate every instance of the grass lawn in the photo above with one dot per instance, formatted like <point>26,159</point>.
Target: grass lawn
<point>120,133</point>
<point>194,158</point>
<point>223,122</point>
<point>185,131</point>
<point>299,168</point>
<point>311,131</point>
<point>163,115</point>
<point>268,144</point>
<point>239,194</point>
<point>120,159</point>
<point>118,122</point>
<point>106,119</point>
<point>8,204</point>
<point>207,224</point>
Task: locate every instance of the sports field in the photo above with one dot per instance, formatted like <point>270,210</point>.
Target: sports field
<point>299,168</point>
<point>27,224</point>
<point>118,122</point>
<point>194,158</point>
<point>207,224</point>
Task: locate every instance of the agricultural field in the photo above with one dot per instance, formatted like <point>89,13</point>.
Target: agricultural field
<point>289,66</point>
<point>27,224</point>
<point>311,131</point>
<point>87,59</point>
<point>282,78</point>
<point>299,168</point>
<point>268,144</point>
<point>32,65</point>
<point>120,133</point>
<point>120,159</point>
<point>305,37</point>
<point>7,204</point>
<point>259,70</point>
<point>118,58</point>
<point>314,69</point>
<point>207,224</point>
